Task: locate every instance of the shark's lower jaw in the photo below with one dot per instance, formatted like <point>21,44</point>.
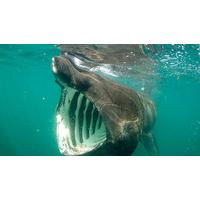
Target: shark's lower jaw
<point>80,129</point>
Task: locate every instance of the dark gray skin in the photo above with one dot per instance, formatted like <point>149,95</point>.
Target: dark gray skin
<point>121,108</point>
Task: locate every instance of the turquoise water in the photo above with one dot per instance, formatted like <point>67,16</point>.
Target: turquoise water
<point>27,100</point>
<point>29,95</point>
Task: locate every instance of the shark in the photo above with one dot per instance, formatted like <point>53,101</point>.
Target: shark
<point>98,116</point>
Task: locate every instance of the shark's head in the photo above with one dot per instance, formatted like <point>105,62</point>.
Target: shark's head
<point>93,110</point>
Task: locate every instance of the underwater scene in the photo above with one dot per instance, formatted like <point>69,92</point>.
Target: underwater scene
<point>100,99</point>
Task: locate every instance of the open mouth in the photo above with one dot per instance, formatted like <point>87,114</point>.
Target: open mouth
<point>80,128</point>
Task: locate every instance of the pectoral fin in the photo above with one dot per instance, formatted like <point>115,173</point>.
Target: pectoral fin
<point>150,143</point>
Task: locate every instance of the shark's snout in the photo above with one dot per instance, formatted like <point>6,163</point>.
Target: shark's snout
<point>67,73</point>
<point>59,64</point>
<point>61,70</point>
<point>63,63</point>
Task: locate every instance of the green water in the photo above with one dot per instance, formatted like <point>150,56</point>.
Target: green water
<point>29,95</point>
<point>27,100</point>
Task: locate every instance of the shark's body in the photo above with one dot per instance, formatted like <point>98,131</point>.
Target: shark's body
<point>97,116</point>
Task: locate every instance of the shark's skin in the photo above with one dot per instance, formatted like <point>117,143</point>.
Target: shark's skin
<point>127,115</point>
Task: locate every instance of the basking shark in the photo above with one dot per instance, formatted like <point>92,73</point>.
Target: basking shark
<point>97,116</point>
